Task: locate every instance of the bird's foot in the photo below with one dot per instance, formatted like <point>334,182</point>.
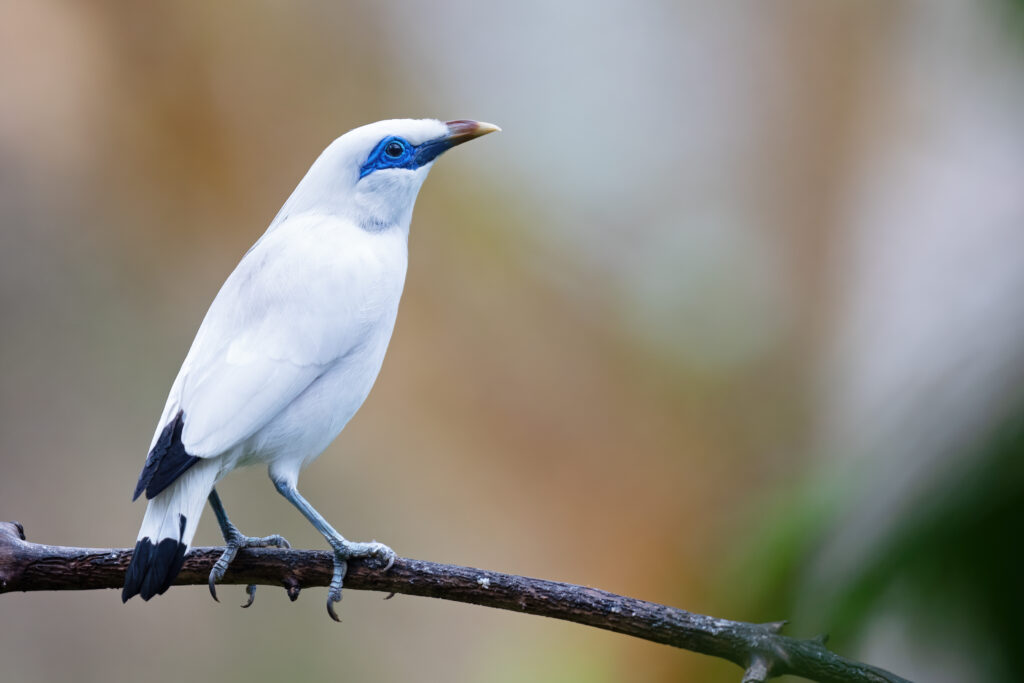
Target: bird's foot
<point>236,541</point>
<point>347,550</point>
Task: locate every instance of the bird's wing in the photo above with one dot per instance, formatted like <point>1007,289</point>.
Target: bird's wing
<point>282,318</point>
<point>243,393</point>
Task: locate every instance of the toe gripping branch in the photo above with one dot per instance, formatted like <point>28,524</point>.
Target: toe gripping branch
<point>380,557</point>
<point>235,543</point>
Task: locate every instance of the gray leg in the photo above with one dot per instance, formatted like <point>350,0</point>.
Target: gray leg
<point>234,539</point>
<point>343,550</point>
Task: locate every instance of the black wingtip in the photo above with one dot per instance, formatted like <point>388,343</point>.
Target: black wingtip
<point>166,462</point>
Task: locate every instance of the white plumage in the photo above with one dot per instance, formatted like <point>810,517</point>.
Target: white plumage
<point>294,340</point>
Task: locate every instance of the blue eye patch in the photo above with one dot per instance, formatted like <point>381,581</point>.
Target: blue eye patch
<point>396,152</point>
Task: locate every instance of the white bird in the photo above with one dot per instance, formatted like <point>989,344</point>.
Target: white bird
<point>290,347</point>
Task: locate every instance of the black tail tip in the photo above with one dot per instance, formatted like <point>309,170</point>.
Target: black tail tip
<point>153,568</point>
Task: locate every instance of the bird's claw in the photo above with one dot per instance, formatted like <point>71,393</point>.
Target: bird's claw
<point>330,607</point>
<point>345,551</point>
<point>334,592</point>
<point>213,588</point>
<point>387,555</point>
<point>220,567</point>
<point>234,543</point>
<point>272,541</point>
<point>251,590</point>
<point>379,552</point>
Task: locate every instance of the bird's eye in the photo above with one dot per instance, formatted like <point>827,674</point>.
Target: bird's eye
<point>394,149</point>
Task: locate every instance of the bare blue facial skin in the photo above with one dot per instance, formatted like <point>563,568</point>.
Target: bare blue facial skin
<point>396,152</point>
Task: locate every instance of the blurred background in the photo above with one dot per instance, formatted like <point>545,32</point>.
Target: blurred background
<point>729,317</point>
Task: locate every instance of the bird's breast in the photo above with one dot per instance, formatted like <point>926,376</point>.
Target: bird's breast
<point>350,276</point>
<point>352,283</point>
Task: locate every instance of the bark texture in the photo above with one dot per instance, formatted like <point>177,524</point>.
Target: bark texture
<point>759,649</point>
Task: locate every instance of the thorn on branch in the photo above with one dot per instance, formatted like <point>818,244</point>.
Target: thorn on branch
<point>775,626</point>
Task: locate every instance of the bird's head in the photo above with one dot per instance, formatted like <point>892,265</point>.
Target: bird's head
<point>372,174</point>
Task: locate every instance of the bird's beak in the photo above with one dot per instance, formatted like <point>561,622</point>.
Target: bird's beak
<point>458,132</point>
<point>464,131</point>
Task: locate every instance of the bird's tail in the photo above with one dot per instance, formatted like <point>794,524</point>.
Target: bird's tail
<point>167,530</point>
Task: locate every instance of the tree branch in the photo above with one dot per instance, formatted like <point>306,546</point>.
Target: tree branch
<point>757,648</point>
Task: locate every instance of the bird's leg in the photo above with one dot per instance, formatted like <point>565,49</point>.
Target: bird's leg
<point>344,550</point>
<point>234,539</point>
